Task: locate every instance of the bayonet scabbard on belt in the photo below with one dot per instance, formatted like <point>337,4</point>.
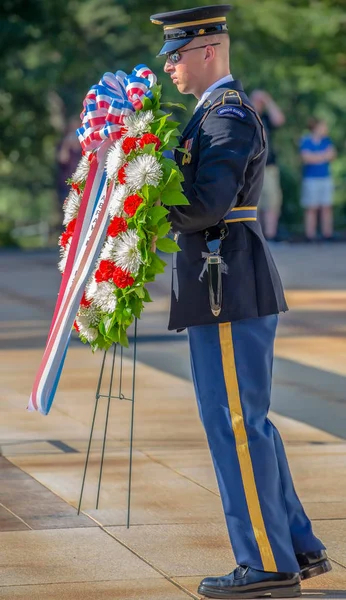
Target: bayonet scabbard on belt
<point>215,283</point>
<point>215,265</point>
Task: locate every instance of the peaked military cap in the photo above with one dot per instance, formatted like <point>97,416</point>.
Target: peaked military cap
<point>182,26</point>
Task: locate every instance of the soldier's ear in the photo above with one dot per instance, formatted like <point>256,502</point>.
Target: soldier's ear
<point>209,53</point>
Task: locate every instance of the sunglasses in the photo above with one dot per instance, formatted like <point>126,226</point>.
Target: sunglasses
<point>176,56</point>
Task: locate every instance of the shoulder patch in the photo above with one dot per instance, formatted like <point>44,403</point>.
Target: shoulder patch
<point>225,111</point>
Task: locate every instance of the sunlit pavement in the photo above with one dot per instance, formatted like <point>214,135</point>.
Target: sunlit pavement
<point>177,533</point>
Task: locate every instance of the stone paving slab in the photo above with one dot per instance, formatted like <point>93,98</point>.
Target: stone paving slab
<point>149,589</point>
<point>10,521</point>
<point>32,505</point>
<point>333,534</point>
<point>181,549</point>
<point>159,495</point>
<point>324,511</point>
<point>67,555</point>
<point>326,352</point>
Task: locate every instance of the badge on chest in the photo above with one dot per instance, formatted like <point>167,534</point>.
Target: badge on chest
<point>187,155</point>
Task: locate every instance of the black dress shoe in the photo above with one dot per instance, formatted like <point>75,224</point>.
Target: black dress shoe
<point>246,582</point>
<point>313,564</point>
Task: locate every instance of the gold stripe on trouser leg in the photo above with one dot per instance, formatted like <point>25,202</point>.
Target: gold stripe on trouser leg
<point>242,445</point>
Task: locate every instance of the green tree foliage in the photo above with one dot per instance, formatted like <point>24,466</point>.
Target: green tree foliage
<point>52,52</point>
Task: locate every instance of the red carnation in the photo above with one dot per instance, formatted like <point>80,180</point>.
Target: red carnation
<point>76,326</point>
<point>121,278</point>
<point>116,226</point>
<point>75,187</point>
<point>122,174</point>
<point>123,131</point>
<point>132,203</point>
<point>150,138</point>
<point>71,226</point>
<point>66,236</point>
<point>64,239</point>
<point>105,271</point>
<point>84,301</point>
<point>129,144</point>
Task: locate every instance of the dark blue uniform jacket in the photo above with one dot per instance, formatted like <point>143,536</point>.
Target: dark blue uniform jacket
<point>228,156</point>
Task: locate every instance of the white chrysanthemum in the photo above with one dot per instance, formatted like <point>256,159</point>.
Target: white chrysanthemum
<point>108,249</point>
<point>63,257</point>
<point>87,321</point>
<point>144,169</point>
<point>91,287</point>
<point>81,173</point>
<point>126,254</point>
<point>138,123</point>
<point>104,297</point>
<point>117,200</point>
<point>115,160</point>
<point>71,206</point>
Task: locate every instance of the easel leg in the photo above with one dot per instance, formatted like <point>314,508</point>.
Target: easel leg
<point>92,430</point>
<point>110,397</point>
<point>132,423</point>
<point>106,425</point>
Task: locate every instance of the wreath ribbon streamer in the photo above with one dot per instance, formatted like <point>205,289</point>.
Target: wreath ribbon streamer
<point>104,109</point>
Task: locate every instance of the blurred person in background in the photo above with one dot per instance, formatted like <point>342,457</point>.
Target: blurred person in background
<point>271,196</point>
<point>68,156</point>
<point>317,152</point>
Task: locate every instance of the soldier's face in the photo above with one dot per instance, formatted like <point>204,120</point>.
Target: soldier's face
<point>187,72</point>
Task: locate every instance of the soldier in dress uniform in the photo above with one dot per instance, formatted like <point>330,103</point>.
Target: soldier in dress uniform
<point>227,292</point>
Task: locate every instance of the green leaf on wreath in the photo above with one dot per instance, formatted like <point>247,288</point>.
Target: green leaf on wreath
<point>148,149</point>
<point>167,245</point>
<point>140,292</point>
<point>171,125</point>
<point>161,124</point>
<point>107,323</point>
<point>136,306</point>
<point>170,163</point>
<point>157,265</point>
<point>169,134</point>
<point>147,103</point>
<point>182,150</point>
<point>154,194</point>
<point>127,313</point>
<point>147,297</point>
<point>123,339</point>
<point>163,229</point>
<point>175,104</point>
<point>171,144</point>
<point>113,334</point>
<point>173,198</point>
<point>102,328</point>
<point>156,213</point>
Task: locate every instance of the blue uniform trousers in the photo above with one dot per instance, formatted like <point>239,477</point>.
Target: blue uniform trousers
<point>232,372</point>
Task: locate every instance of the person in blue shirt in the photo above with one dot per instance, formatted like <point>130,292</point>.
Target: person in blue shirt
<point>317,152</point>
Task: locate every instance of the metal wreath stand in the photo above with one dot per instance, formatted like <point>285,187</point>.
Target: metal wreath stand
<point>110,396</point>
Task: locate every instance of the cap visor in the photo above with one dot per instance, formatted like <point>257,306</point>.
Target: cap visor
<point>173,45</point>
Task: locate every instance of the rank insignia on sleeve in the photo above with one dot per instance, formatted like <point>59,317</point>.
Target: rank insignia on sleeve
<point>187,156</point>
<point>224,111</point>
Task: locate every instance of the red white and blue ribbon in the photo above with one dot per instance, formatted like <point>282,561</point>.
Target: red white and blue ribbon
<point>104,109</point>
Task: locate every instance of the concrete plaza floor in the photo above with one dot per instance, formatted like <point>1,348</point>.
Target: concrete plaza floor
<point>177,534</point>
